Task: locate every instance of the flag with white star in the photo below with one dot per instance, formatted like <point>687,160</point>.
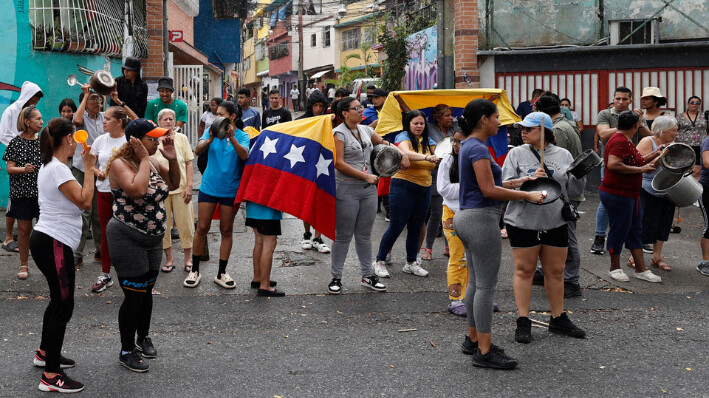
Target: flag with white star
<point>291,169</point>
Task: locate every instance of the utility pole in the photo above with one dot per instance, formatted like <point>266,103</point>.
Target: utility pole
<point>301,73</point>
<point>446,44</point>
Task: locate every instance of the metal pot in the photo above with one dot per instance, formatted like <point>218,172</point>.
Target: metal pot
<point>102,82</point>
<point>682,190</point>
<point>385,160</point>
<point>584,163</point>
<point>550,185</point>
<point>220,127</point>
<point>678,158</point>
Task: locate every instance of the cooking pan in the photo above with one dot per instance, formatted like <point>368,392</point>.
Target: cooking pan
<point>220,127</point>
<point>678,158</point>
<point>550,185</point>
<point>102,82</point>
<point>584,163</point>
<point>385,160</point>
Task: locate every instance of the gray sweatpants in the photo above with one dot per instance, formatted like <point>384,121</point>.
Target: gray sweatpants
<point>572,269</point>
<point>479,231</point>
<point>355,211</point>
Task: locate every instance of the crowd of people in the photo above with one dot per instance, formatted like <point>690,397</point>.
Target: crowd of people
<point>132,180</point>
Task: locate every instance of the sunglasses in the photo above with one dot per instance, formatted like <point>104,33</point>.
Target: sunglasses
<point>695,102</point>
<point>528,129</point>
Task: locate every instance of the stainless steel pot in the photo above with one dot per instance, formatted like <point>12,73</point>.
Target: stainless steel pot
<point>681,189</point>
<point>102,82</point>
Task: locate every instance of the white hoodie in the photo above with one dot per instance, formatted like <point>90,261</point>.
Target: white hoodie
<point>8,123</point>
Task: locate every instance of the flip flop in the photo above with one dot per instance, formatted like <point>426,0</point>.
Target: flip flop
<point>168,268</point>
<point>188,267</point>
<point>12,247</point>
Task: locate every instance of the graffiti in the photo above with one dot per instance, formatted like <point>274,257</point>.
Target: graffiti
<point>422,69</point>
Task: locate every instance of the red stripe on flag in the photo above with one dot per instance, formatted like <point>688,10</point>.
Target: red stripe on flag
<point>289,193</point>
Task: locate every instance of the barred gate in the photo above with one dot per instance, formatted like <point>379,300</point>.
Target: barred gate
<point>188,89</point>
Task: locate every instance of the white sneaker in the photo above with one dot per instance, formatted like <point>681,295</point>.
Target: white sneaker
<point>415,268</point>
<point>380,269</point>
<point>320,246</point>
<point>648,276</point>
<point>307,244</point>
<point>619,275</point>
<point>225,281</point>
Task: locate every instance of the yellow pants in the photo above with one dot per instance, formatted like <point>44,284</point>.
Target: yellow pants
<point>457,268</point>
<point>184,220</point>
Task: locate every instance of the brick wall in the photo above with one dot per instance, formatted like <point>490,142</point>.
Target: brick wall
<point>178,20</point>
<point>153,67</point>
<point>466,43</point>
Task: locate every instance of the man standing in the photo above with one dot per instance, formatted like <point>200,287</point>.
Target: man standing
<point>371,115</point>
<point>276,113</point>
<point>606,126</point>
<point>165,89</point>
<point>250,116</point>
<point>525,108</point>
<point>30,94</point>
<point>370,93</point>
<point>567,138</point>
<point>132,90</point>
<point>294,95</point>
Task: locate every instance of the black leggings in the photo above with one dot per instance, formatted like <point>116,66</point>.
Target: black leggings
<point>56,261</point>
<point>137,308</point>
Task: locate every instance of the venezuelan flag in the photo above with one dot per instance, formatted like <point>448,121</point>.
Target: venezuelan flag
<point>291,168</point>
<point>426,100</point>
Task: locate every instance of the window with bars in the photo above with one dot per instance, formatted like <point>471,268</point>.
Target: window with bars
<point>88,26</point>
<point>260,51</point>
<point>326,37</point>
<point>351,38</point>
<point>247,63</point>
<point>313,40</point>
<point>279,50</point>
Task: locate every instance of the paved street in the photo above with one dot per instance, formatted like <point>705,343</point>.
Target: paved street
<point>644,339</point>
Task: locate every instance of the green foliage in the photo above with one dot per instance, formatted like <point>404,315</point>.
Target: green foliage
<point>347,76</point>
<point>398,51</point>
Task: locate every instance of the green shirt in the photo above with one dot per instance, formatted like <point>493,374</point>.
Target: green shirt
<point>610,117</point>
<point>155,106</point>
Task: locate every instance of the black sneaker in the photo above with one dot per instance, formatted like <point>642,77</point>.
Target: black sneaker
<point>59,383</point>
<point>598,243</point>
<point>572,289</point>
<point>523,333</point>
<point>41,361</point>
<point>538,278</point>
<point>469,346</point>
<point>335,286</point>
<point>494,359</point>
<point>145,346</point>
<point>373,283</point>
<point>647,248</point>
<point>563,325</point>
<point>134,362</point>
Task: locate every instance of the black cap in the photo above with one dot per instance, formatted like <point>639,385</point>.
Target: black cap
<point>380,92</point>
<point>165,82</point>
<point>132,63</point>
<point>139,128</point>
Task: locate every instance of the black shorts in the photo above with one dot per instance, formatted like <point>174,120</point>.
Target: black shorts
<point>207,198</point>
<point>698,152</point>
<point>265,227</point>
<point>525,238</point>
<point>23,208</point>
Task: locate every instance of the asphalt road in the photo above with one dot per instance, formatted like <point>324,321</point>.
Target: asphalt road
<point>644,339</point>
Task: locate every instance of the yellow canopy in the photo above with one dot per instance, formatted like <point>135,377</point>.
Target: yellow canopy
<point>390,115</point>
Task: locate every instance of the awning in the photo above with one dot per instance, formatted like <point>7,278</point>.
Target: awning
<point>319,74</point>
<point>357,20</point>
<point>264,73</point>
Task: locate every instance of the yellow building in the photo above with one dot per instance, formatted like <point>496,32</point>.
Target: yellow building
<point>357,28</point>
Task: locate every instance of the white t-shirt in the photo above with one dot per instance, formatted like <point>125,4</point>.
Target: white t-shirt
<point>58,216</point>
<point>331,93</point>
<point>104,147</point>
<point>294,93</point>
<point>208,118</point>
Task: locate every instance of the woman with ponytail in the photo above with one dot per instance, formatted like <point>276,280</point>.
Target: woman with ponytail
<point>23,161</point>
<point>481,194</point>
<point>54,239</point>
<point>220,182</point>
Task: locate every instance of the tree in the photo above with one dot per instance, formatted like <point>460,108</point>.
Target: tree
<point>365,58</point>
<point>393,38</point>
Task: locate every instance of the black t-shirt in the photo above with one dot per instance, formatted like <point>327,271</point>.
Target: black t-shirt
<point>271,117</point>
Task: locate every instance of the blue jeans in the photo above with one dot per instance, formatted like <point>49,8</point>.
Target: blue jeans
<point>601,215</point>
<point>408,203</point>
<point>625,217</point>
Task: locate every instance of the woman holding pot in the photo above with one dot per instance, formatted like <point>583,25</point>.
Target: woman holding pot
<point>179,203</point>
<point>658,211</point>
<point>619,192</point>
<point>481,194</point>
<point>539,232</point>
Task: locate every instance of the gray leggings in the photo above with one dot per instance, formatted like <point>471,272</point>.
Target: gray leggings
<point>355,211</point>
<point>435,214</point>
<point>135,253</point>
<point>479,231</point>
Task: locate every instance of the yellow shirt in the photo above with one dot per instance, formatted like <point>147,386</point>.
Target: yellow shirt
<point>419,172</point>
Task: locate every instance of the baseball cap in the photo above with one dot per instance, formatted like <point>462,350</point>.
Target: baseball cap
<point>379,92</point>
<point>139,128</point>
<point>534,119</point>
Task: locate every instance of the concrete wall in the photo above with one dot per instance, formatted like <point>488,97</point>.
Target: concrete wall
<point>523,23</point>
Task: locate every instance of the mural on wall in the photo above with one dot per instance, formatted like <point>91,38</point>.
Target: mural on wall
<point>422,69</point>
<point>48,69</point>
